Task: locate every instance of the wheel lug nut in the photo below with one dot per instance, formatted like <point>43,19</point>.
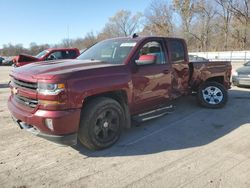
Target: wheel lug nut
<point>106,124</point>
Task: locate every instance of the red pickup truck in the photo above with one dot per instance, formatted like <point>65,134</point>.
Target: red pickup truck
<point>49,54</point>
<point>112,82</point>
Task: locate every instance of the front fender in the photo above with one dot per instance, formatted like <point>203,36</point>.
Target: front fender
<point>80,89</point>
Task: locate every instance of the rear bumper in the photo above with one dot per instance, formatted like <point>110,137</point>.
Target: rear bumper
<point>62,130</point>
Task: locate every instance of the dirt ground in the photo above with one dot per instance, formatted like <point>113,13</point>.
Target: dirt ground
<point>193,147</point>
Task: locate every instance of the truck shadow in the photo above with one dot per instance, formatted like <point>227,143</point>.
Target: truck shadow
<point>190,126</point>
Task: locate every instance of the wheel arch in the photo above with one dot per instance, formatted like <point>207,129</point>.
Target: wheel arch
<point>197,84</point>
<point>218,79</point>
<point>118,95</point>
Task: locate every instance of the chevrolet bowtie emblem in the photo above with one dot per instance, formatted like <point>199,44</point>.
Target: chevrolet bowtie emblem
<point>14,90</point>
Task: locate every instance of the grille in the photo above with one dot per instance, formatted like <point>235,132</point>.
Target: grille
<point>29,102</point>
<point>32,103</point>
<point>24,84</point>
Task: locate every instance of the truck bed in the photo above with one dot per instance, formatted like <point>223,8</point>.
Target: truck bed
<point>200,71</point>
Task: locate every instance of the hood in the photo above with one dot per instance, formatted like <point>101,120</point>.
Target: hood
<point>243,70</point>
<point>60,69</point>
<point>24,58</point>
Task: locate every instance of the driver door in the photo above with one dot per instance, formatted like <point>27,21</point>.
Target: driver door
<point>152,82</point>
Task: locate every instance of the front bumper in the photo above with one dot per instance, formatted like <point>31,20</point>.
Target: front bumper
<point>64,123</point>
<point>241,81</point>
<point>67,140</point>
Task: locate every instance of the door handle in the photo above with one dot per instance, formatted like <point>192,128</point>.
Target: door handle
<point>166,71</point>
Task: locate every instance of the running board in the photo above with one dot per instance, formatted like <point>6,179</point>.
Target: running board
<point>154,113</point>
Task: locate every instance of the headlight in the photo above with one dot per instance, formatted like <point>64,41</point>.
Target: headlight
<point>50,89</point>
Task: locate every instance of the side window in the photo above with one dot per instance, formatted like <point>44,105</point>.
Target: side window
<point>177,51</point>
<point>56,55</point>
<point>69,54</point>
<point>154,48</point>
<point>72,54</point>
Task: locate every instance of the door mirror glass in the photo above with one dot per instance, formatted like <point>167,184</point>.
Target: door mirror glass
<point>146,60</point>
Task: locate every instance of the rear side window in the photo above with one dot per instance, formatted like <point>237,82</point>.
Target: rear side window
<point>177,51</point>
<point>69,54</point>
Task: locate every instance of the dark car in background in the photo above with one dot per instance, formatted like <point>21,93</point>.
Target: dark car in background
<point>1,60</point>
<point>241,77</point>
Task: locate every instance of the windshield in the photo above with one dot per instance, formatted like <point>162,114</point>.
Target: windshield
<point>247,63</point>
<point>110,51</point>
<point>41,54</point>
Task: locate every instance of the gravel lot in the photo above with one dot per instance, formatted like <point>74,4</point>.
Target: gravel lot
<point>193,147</point>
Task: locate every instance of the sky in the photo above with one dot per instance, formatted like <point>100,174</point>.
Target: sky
<point>50,21</point>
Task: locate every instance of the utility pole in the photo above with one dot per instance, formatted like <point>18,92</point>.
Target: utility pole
<point>68,35</point>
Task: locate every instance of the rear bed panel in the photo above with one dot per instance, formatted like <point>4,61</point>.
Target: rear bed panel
<point>203,71</point>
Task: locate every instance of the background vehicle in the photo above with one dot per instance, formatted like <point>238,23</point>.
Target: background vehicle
<point>96,96</point>
<point>195,58</point>
<point>6,61</point>
<point>241,77</point>
<point>49,54</point>
<point>1,60</point>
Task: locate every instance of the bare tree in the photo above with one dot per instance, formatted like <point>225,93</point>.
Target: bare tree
<point>185,8</point>
<point>123,23</point>
<point>35,49</point>
<point>159,19</point>
<point>12,50</point>
<point>67,43</point>
<point>203,29</point>
<point>241,21</point>
<point>226,15</point>
<point>109,31</point>
<point>89,40</point>
<point>80,43</point>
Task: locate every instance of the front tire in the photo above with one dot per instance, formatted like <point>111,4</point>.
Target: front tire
<point>212,95</point>
<point>101,123</point>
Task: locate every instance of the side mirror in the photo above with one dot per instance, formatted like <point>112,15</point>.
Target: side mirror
<point>146,60</point>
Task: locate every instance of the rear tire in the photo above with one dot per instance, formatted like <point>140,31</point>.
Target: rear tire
<point>101,123</point>
<point>212,95</point>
